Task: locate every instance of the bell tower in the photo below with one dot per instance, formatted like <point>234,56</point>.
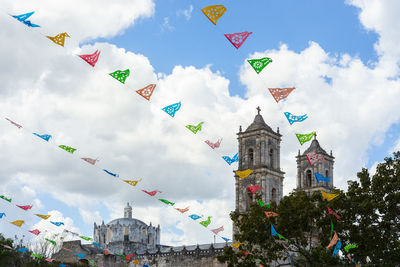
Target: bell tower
<point>259,151</point>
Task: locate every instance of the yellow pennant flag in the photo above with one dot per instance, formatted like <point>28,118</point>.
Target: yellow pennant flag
<point>59,38</point>
<point>244,174</point>
<point>44,217</point>
<point>213,13</point>
<point>135,261</point>
<point>132,183</point>
<point>18,223</point>
<point>236,245</point>
<point>328,196</point>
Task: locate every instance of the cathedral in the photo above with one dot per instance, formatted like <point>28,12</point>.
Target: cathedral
<point>259,150</point>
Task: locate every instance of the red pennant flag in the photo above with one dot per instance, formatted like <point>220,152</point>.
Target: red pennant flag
<point>254,188</point>
<point>49,260</point>
<point>280,93</point>
<point>217,230</point>
<point>147,91</point>
<point>152,193</point>
<point>14,123</point>
<point>237,39</point>
<point>91,59</point>
<point>106,252</point>
<point>35,232</point>
<point>27,207</point>
<point>334,213</point>
<point>128,257</point>
<point>270,214</point>
<point>245,253</point>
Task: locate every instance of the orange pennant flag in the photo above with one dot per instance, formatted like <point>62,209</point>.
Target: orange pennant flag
<point>182,210</point>
<point>135,261</point>
<point>280,93</point>
<point>270,214</point>
<point>44,217</point>
<point>59,38</point>
<point>333,241</point>
<point>18,223</point>
<point>132,183</point>
<point>147,91</point>
<point>213,13</point>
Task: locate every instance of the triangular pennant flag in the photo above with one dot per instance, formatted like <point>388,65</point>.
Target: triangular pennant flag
<point>14,123</point>
<point>245,253</point>
<point>237,39</point>
<point>49,260</point>
<point>6,199</point>
<point>23,250</point>
<point>206,222</point>
<point>37,256</point>
<point>131,182</point>
<point>85,238</point>
<point>321,178</point>
<point>45,217</point>
<point>270,214</point>
<point>23,16</point>
<point>27,207</point>
<point>214,145</point>
<point>128,257</point>
<point>281,237</point>
<point>259,64</point>
<point>59,38</point>
<point>328,196</point>
<point>147,91</point>
<point>273,231</point>
<point>135,261</point>
<point>217,230</point>
<point>231,160</point>
<point>292,118</point>
<point>166,201</point>
<point>120,255</point>
<point>120,75</point>
<point>2,214</point>
<point>337,248</point>
<point>5,246</point>
<point>280,93</point>
<point>106,252</point>
<point>110,173</point>
<point>172,109</point>
<point>51,241</point>
<point>81,255</point>
<point>314,157</point>
<point>243,174</point>
<point>303,138</point>
<point>182,210</point>
<point>254,188</point>
<point>45,137</point>
<point>194,129</point>
<point>90,161</point>
<point>97,244</point>
<point>152,193</point>
<point>333,241</point>
<point>333,213</point>
<point>224,238</point>
<point>35,232</point>
<point>18,223</point>
<point>91,59</point>
<point>213,13</point>
<point>195,216</point>
<point>29,23</point>
<point>348,247</point>
<point>57,223</point>
<point>68,149</point>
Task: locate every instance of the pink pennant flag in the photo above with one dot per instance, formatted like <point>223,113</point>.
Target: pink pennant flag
<point>49,260</point>
<point>217,230</point>
<point>91,59</point>
<point>254,188</point>
<point>237,39</point>
<point>349,257</point>
<point>314,157</point>
<point>27,207</point>
<point>14,123</point>
<point>214,145</point>
<point>333,241</point>
<point>270,214</point>
<point>334,213</point>
<point>152,193</point>
<point>35,232</point>
<point>90,161</point>
<point>182,210</point>
<point>245,253</point>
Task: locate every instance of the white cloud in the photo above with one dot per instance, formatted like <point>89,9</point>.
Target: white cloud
<point>166,26</point>
<point>187,13</point>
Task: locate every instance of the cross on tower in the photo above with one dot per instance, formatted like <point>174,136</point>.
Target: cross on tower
<point>258,110</point>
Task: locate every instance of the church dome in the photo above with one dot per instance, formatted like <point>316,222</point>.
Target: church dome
<point>127,222</point>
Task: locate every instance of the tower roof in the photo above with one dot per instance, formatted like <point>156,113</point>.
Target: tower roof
<point>315,147</point>
<point>259,123</point>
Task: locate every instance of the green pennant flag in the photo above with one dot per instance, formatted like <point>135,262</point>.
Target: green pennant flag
<point>51,241</point>
<point>331,229</point>
<point>121,255</point>
<point>6,199</point>
<point>37,256</point>
<point>92,262</point>
<point>194,128</point>
<point>350,247</point>
<point>262,204</point>
<point>282,237</point>
<point>206,222</point>
<point>85,238</point>
<point>68,149</point>
<point>305,137</point>
<point>120,75</point>
<point>259,64</point>
<point>166,201</point>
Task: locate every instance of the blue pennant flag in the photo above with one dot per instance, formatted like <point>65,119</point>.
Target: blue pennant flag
<point>226,239</point>
<point>29,23</point>
<point>290,258</point>
<point>195,217</point>
<point>97,244</point>
<point>321,178</point>
<point>171,109</point>
<point>81,256</point>
<point>337,248</point>
<point>2,214</point>
<point>110,173</point>
<point>23,250</point>
<point>292,118</point>
<point>273,231</point>
<point>57,223</point>
<point>63,265</point>
<point>23,16</point>
<point>45,137</point>
<point>231,160</point>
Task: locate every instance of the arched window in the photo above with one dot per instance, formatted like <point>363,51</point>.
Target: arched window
<point>251,157</point>
<point>273,195</point>
<point>271,158</point>
<point>308,178</point>
<point>327,173</point>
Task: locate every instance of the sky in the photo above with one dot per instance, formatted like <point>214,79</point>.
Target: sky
<point>342,57</point>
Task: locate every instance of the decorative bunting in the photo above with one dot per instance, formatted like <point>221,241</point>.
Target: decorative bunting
<point>166,201</point>
<point>131,182</point>
<point>314,157</point>
<point>81,255</point>
<point>195,216</point>
<point>182,210</point>
<point>110,173</point>
<point>331,229</point>
<point>348,247</point>
<point>23,250</point>
<point>128,257</point>
<point>273,231</point>
<point>49,260</point>
<point>7,247</point>
<point>57,223</point>
<point>217,230</point>
<point>337,248</point>
<point>206,222</point>
<point>262,204</point>
<point>18,223</point>
<point>333,241</point>
<point>51,241</point>
<point>292,118</point>
<point>280,93</point>
<point>44,217</point>
<point>6,199</point>
<point>120,75</point>
<point>213,13</point>
<point>91,59</point>
<point>14,123</point>
<point>245,253</point>
<point>214,145</point>
<point>152,193</point>
<point>237,39</point>
<point>68,149</point>
<point>282,237</point>
<point>106,252</point>
<point>59,38</point>
<point>321,178</point>
<point>172,109</point>
<point>2,215</point>
<point>86,238</point>
<point>45,137</point>
<point>303,138</point>
<point>135,262</point>
<point>27,207</point>
<point>290,258</point>
<point>90,161</point>
<point>37,256</point>
<point>231,160</point>
<point>35,232</point>
<point>224,238</point>
<point>334,213</point>
<point>97,244</point>
<point>194,129</point>
<point>22,18</point>
<point>349,257</point>
<point>270,214</point>
<point>259,64</point>
<point>147,91</point>
<point>254,188</point>
<point>243,174</point>
<point>328,196</point>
